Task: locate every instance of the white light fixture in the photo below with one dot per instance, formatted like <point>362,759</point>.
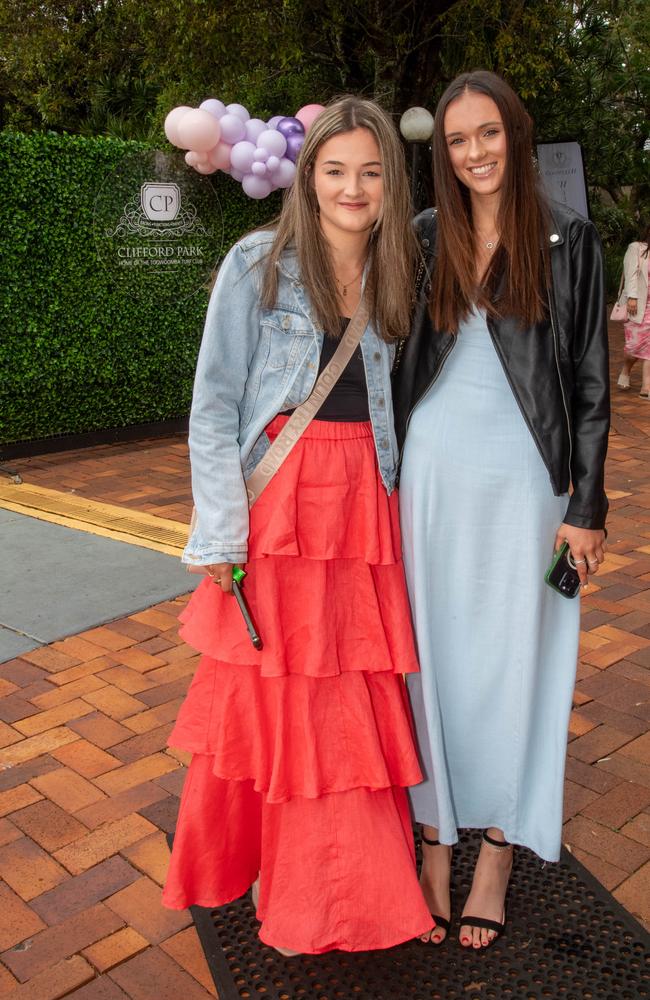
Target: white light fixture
<point>416,125</point>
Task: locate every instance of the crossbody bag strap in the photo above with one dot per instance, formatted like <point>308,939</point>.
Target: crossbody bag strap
<point>305,413</point>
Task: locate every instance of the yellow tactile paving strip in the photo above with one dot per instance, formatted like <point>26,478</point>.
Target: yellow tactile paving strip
<point>120,523</point>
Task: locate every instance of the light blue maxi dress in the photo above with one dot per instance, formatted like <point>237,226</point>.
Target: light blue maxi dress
<point>497,647</point>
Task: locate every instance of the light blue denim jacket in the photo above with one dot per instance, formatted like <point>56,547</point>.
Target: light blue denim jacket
<point>254,363</point>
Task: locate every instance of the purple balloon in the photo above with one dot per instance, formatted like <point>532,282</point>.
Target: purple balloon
<point>256,187</point>
<point>273,122</point>
<point>290,126</point>
<point>241,156</point>
<point>232,129</point>
<point>254,128</point>
<point>294,145</point>
<point>284,173</point>
<point>238,175</point>
<point>259,169</point>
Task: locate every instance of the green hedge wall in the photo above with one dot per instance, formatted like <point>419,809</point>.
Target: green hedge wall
<point>77,352</point>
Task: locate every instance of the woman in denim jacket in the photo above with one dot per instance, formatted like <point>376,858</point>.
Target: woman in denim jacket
<point>302,751</point>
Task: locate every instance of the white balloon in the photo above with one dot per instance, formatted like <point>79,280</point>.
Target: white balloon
<point>171,123</point>
<point>213,107</point>
<point>239,111</point>
<point>273,142</point>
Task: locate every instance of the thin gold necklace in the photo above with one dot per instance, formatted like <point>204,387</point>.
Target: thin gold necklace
<point>347,285</point>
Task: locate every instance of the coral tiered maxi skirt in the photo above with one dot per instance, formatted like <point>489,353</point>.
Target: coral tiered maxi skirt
<point>302,751</point>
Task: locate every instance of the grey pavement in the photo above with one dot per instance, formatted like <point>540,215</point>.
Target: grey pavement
<point>56,581</point>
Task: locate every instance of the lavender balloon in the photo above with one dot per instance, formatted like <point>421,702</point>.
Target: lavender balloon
<point>254,128</point>
<point>290,126</point>
<point>273,142</point>
<point>294,145</point>
<point>237,174</point>
<point>273,122</point>
<point>256,187</point>
<point>242,155</point>
<point>239,111</point>
<point>214,107</point>
<point>261,154</point>
<point>273,163</point>
<point>232,129</point>
<point>259,169</point>
<point>284,173</point>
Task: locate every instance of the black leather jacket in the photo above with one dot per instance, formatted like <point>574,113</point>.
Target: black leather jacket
<point>558,370</point>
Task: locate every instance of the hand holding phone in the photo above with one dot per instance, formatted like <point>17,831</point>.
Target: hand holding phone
<point>562,574</point>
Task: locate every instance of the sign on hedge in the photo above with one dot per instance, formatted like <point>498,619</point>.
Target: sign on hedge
<point>108,252</point>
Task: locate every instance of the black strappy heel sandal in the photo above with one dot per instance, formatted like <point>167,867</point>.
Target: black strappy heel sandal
<point>483,923</point>
<point>441,922</point>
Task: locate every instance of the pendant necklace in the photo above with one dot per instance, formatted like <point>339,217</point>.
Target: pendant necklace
<point>344,288</point>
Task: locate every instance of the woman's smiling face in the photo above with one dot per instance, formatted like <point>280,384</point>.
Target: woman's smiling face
<point>476,142</point>
<point>348,182</point>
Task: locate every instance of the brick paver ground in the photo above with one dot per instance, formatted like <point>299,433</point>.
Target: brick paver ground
<point>88,788</point>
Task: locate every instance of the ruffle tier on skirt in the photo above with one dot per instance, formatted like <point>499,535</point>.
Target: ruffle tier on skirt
<point>302,751</point>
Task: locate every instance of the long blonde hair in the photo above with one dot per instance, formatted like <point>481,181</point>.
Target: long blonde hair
<point>392,249</point>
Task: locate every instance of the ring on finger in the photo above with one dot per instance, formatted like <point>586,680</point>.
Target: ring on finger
<point>578,561</point>
<point>592,562</point>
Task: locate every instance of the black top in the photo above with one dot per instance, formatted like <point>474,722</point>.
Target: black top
<point>348,400</point>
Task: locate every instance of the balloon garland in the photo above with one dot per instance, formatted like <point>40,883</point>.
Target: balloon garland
<point>260,155</point>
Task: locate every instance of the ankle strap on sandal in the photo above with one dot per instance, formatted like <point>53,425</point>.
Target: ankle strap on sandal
<point>498,845</point>
<point>426,840</point>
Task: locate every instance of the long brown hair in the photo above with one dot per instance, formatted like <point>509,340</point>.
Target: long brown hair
<point>520,264</point>
<point>393,248</point>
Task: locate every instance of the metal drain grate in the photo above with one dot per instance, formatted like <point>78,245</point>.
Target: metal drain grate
<point>566,938</point>
<point>94,516</point>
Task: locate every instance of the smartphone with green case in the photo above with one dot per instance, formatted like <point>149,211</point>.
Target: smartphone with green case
<point>562,574</point>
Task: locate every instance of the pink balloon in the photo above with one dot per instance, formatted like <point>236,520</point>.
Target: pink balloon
<point>254,128</point>
<point>259,169</point>
<point>256,187</point>
<point>171,123</point>
<point>239,111</point>
<point>213,107</point>
<point>284,174</point>
<point>307,114</point>
<point>198,130</point>
<point>220,156</point>
<point>232,129</point>
<point>192,158</point>
<point>274,143</point>
<point>242,155</point>
<point>205,168</point>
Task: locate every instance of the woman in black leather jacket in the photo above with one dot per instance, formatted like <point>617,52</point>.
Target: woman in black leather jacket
<point>502,409</point>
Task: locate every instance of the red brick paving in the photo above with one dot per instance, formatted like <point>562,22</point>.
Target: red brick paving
<point>89,788</point>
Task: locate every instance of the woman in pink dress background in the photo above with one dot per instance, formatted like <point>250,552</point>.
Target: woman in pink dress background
<point>637,328</point>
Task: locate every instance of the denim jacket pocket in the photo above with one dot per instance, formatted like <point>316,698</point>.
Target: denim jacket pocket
<point>287,331</point>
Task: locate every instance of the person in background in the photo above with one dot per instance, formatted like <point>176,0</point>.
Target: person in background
<point>502,405</point>
<point>302,751</point>
<point>636,264</point>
